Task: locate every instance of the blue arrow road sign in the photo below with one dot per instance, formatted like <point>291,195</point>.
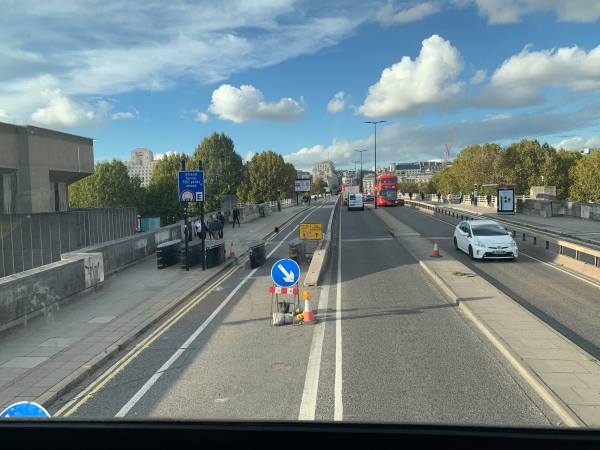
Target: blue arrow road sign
<point>191,186</point>
<point>285,272</point>
<point>24,409</point>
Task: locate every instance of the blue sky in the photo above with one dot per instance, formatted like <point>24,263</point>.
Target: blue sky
<point>163,75</point>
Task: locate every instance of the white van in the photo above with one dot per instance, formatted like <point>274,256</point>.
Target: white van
<point>355,201</point>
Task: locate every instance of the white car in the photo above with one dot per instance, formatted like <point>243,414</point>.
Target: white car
<point>485,239</point>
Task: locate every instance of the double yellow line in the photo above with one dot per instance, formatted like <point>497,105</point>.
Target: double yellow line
<point>75,403</point>
<point>84,396</point>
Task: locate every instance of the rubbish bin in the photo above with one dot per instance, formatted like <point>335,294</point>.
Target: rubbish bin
<point>215,253</point>
<point>167,253</point>
<point>257,253</point>
<point>194,253</point>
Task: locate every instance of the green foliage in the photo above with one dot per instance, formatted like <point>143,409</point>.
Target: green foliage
<point>318,186</point>
<point>557,171</point>
<point>586,179</point>
<point>109,186</point>
<point>474,165</point>
<point>408,187</point>
<point>222,166</point>
<point>523,163</point>
<point>264,175</point>
<point>162,198</point>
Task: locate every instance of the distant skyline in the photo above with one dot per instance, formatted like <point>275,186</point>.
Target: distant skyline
<point>300,77</point>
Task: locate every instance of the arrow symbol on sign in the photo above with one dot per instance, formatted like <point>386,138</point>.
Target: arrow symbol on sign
<point>288,277</point>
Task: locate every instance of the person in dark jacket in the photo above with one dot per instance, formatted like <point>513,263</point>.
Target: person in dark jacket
<point>236,216</point>
<point>221,219</point>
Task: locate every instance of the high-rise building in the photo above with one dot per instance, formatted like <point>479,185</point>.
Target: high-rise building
<point>326,171</point>
<point>142,164</point>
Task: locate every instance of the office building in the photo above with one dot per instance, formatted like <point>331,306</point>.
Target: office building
<point>141,164</point>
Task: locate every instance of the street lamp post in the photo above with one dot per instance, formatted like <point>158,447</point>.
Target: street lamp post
<point>360,177</point>
<point>375,157</point>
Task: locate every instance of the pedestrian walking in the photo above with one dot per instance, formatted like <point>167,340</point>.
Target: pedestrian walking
<point>221,219</point>
<point>214,226</point>
<point>188,231</point>
<point>489,199</point>
<point>410,195</point>
<point>236,216</point>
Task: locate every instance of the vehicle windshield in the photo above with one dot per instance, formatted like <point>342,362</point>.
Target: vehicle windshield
<point>388,194</point>
<point>489,230</point>
<point>245,210</point>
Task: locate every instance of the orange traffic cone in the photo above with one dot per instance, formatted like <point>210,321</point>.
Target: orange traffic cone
<point>436,250</point>
<point>308,316</point>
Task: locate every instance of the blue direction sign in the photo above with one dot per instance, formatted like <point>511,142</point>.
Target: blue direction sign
<point>285,272</point>
<point>191,186</point>
<point>24,409</point>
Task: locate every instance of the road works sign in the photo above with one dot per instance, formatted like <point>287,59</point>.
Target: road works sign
<point>285,273</point>
<point>191,186</point>
<point>311,231</point>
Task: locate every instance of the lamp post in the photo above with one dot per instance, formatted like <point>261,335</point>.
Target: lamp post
<point>361,161</point>
<point>375,157</point>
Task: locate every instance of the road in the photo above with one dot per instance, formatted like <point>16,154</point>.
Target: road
<point>564,301</point>
<point>388,347</point>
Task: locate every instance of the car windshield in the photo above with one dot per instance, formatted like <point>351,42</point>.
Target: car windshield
<point>488,230</point>
<point>245,210</point>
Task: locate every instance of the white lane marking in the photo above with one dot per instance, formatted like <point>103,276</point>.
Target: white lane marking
<point>562,270</point>
<point>529,256</point>
<point>338,405</point>
<point>369,239</point>
<point>308,405</point>
<point>154,378</point>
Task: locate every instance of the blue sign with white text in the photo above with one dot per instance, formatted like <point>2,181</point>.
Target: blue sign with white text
<point>191,186</point>
<point>24,409</point>
<point>285,272</point>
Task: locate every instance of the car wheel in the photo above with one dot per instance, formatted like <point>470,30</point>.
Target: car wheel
<point>455,244</point>
<point>471,253</point>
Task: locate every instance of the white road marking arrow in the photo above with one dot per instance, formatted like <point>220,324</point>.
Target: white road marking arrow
<point>288,277</point>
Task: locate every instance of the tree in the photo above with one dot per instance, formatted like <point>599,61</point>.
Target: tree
<point>557,171</point>
<point>109,186</point>
<point>264,175</point>
<point>318,186</point>
<point>406,187</point>
<point>162,198</point>
<point>474,165</point>
<point>586,179</point>
<point>522,164</point>
<point>222,166</point>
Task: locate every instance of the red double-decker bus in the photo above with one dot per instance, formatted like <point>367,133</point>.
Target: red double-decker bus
<point>386,189</point>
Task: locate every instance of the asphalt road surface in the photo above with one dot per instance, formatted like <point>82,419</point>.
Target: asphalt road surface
<point>387,348</point>
<point>565,302</point>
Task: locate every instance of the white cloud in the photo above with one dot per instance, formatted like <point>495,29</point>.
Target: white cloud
<point>61,111</point>
<point>337,103</point>
<point>247,103</point>
<point>128,47</point>
<point>520,79</point>
<point>497,117</point>
<point>578,143</point>
<point>407,86</point>
<point>479,77</point>
<point>388,16</point>
<point>4,116</point>
<point>201,117</point>
<point>406,142</point>
<point>162,155</point>
<point>248,156</point>
<point>511,11</point>
<point>123,115</point>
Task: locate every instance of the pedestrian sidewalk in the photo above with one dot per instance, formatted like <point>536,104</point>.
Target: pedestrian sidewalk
<point>567,226</point>
<point>564,376</point>
<point>42,359</point>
